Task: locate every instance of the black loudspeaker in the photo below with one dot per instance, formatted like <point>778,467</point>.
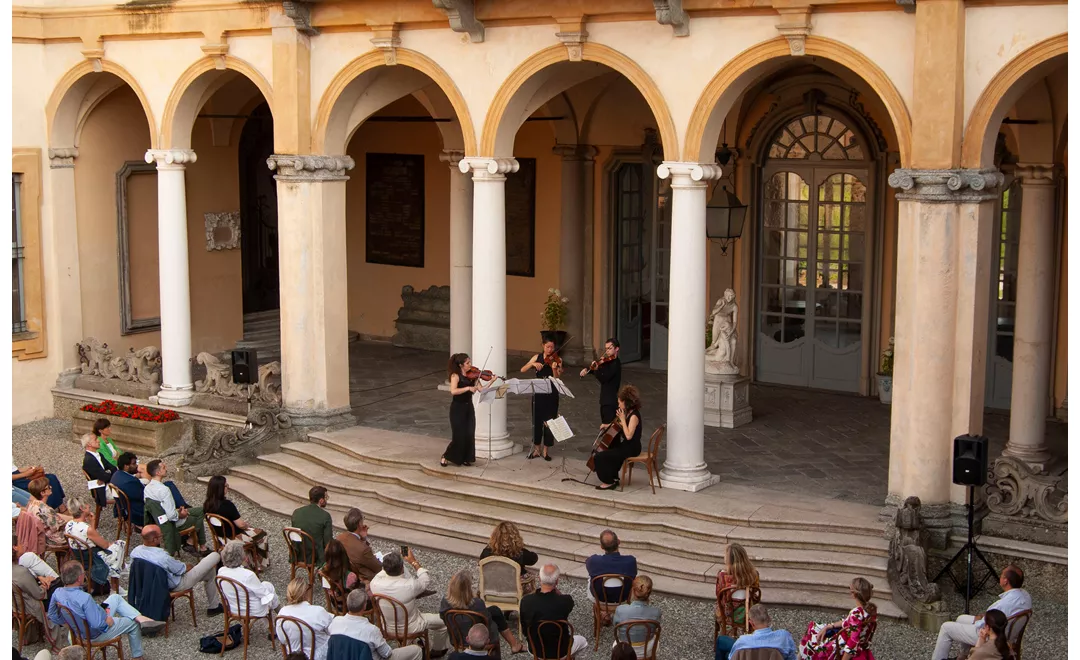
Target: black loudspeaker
<point>970,460</point>
<point>245,366</point>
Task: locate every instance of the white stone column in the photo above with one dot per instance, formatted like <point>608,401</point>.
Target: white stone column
<point>173,279</point>
<point>685,467</point>
<point>1034,318</point>
<point>572,244</point>
<point>65,244</point>
<point>314,289</point>
<point>461,249</point>
<point>489,294</point>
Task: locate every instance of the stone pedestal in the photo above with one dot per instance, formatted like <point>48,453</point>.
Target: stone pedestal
<point>727,401</point>
<point>424,319</point>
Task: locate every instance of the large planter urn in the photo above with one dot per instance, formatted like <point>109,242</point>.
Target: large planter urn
<point>143,438</point>
<point>884,388</point>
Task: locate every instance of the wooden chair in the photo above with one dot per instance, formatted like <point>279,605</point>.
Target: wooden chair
<point>97,507</point>
<point>82,552</point>
<point>602,607</point>
<point>302,628</point>
<point>222,531</point>
<point>124,524</point>
<point>652,636</point>
<point>80,635</point>
<point>454,620</point>
<point>399,621</point>
<point>565,635</point>
<point>134,592</point>
<point>171,538</point>
<point>225,584</point>
<point>650,459</point>
<point>334,594</point>
<point>30,526</point>
<point>22,620</point>
<point>728,625</point>
<point>500,585</point>
<point>1014,631</point>
<point>301,552</point>
<point>757,654</point>
<point>866,636</point>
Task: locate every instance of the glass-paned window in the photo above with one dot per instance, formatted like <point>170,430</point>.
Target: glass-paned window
<point>826,136</point>
<point>18,308</point>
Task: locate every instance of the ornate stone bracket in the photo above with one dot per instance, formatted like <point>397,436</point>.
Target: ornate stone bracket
<point>947,186</point>
<point>94,51</point>
<point>219,223</point>
<point>63,157</point>
<point>573,35</point>
<point>228,448</point>
<point>387,40</point>
<point>219,381</point>
<point>1014,489</point>
<point>670,12</point>
<point>299,12</point>
<point>794,25</point>
<point>310,168</point>
<point>462,16</point>
<point>141,366</point>
<point>217,52</point>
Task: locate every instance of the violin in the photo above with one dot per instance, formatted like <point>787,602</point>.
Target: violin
<point>475,373</point>
<point>596,364</point>
<point>554,360</point>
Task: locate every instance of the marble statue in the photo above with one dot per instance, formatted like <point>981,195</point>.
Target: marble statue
<point>720,356</point>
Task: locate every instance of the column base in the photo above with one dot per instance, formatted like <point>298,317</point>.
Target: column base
<point>177,397</point>
<point>727,401</point>
<point>496,448</point>
<point>691,480</point>
<point>1036,459</point>
<point>444,386</point>
<point>307,420</point>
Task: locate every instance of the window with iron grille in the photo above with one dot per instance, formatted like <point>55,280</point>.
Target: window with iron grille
<point>18,309</point>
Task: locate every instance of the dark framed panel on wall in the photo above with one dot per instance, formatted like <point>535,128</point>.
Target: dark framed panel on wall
<point>395,210</point>
<point>129,324</point>
<point>521,219</point>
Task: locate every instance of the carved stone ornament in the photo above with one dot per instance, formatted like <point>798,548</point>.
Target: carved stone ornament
<point>488,168</point>
<point>219,381</point>
<point>689,173</point>
<point>795,27</point>
<point>462,16</point>
<point>222,231</point>
<point>230,447</point>
<point>1014,489</point>
<point>451,157</point>
<point>141,366</point>
<point>670,12</point>
<point>574,42</point>
<point>1033,174</point>
<point>216,52</point>
<point>947,186</point>
<point>720,357</point>
<point>63,157</point>
<point>907,557</point>
<point>300,14</point>
<point>170,157</point>
<point>387,40</point>
<point>310,168</point>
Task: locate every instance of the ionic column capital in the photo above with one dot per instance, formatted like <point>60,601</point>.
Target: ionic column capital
<point>947,186</point>
<point>489,169</point>
<point>63,157</point>
<point>170,158</point>
<point>291,167</point>
<point>689,175</point>
<point>451,157</point>
<point>1035,174</point>
<point>575,152</point>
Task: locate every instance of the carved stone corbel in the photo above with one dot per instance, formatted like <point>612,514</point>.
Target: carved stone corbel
<point>216,48</point>
<point>794,25</point>
<point>387,40</point>
<point>63,157</point>
<point>462,16</point>
<point>670,12</point>
<point>300,14</point>
<point>573,35</point>
<point>94,50</point>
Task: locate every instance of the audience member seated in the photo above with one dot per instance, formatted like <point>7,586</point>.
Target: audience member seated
<point>34,587</point>
<point>96,468</point>
<point>362,559</point>
<point>461,596</point>
<point>21,478</point>
<point>393,581</point>
<point>506,542</point>
<point>181,576</point>
<point>611,562</point>
<point>738,572</point>
<point>993,642</point>
<point>131,479</point>
<point>109,620</point>
<point>52,521</point>
<point>261,595</point>
<point>763,637</point>
<point>478,637</point>
<point>825,641</point>
<point>299,608</point>
<point>355,625</point>
<point>106,448</point>
<point>337,565</point>
<point>82,527</point>
<point>217,502</point>
<point>623,651</point>
<point>313,519</point>
<point>183,517</point>
<point>548,604</point>
<point>638,610</point>
<point>965,630</point>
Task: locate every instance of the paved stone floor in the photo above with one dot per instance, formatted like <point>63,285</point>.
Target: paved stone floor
<point>801,441</point>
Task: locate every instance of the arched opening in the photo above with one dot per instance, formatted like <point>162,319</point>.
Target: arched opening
<point>258,213</point>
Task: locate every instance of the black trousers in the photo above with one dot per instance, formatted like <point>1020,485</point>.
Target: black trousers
<point>545,407</point>
<point>607,413</point>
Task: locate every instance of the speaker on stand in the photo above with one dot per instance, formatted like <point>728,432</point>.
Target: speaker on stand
<point>245,370</point>
<point>970,466</point>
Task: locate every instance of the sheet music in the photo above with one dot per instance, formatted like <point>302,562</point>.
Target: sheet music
<point>560,430</point>
<point>561,387</point>
<point>528,386</point>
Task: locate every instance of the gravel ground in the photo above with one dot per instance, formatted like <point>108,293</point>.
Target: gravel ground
<point>687,631</point>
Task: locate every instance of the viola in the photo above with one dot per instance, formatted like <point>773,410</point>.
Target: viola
<point>474,373</point>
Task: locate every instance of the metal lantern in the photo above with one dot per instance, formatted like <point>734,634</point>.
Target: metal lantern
<point>724,217</point>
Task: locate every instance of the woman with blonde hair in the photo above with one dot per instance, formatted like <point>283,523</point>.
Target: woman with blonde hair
<point>848,637</point>
<point>506,542</point>
<point>732,584</point>
<point>300,608</point>
<point>460,595</point>
<point>638,609</point>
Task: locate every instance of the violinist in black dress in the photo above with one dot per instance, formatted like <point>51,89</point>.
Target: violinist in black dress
<point>626,444</point>
<point>545,406</point>
<point>608,370</point>
<point>462,447</point>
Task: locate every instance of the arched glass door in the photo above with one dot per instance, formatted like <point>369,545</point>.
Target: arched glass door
<point>813,257</point>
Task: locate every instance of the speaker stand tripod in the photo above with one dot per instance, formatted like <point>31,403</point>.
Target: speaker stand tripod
<point>969,550</point>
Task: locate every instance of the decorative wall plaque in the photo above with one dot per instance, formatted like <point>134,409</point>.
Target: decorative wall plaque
<point>222,230</point>
<point>395,210</point>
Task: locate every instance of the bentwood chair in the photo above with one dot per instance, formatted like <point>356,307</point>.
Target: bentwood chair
<point>23,620</point>
<point>97,507</point>
<point>650,459</point>
<point>757,654</point>
<point>80,635</point>
<point>393,620</point>
<point>82,552</point>
<point>124,523</point>
<point>552,640</point>
<point>458,623</point>
<point>645,649</point>
<point>865,630</point>
<point>603,608</point>
<point>334,593</point>
<point>301,552</point>
<point>741,599</point>
<point>1014,631</point>
<point>242,597</point>
<point>222,531</point>
<point>301,630</point>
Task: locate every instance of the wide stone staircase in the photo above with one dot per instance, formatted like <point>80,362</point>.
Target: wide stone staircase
<point>804,558</point>
<point>262,331</point>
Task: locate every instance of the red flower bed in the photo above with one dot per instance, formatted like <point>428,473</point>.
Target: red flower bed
<point>132,412</point>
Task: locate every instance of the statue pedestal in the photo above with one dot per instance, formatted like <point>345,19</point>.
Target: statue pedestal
<point>727,401</point>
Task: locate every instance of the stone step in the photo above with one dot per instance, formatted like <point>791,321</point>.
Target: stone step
<point>258,316</point>
<point>797,588</point>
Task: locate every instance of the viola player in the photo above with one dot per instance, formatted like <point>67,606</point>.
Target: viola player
<point>608,370</point>
<point>462,447</point>
<point>545,406</point>
<point>626,444</point>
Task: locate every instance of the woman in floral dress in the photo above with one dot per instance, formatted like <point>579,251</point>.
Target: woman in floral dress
<point>847,638</point>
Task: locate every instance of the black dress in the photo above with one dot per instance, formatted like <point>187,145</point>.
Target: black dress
<point>609,462</point>
<point>462,447</point>
<point>545,407</point>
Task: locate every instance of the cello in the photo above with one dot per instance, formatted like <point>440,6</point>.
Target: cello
<point>604,440</point>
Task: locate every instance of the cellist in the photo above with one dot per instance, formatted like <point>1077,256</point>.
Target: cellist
<point>608,370</point>
<point>545,406</point>
<point>627,442</point>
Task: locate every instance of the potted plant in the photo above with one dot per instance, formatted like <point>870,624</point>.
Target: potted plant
<point>884,374</point>
<point>138,428</point>
<point>553,320</point>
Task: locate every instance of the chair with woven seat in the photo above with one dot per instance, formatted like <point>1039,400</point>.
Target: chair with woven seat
<point>462,620</point>
<point>82,552</point>
<point>228,585</point>
<point>1014,631</point>
<point>603,608</point>
<point>222,531</point>
<point>124,524</point>
<point>500,585</point>
<point>742,600</point>
<point>301,630</point>
<point>80,635</point>
<point>395,628</point>
<point>650,459</point>
<point>301,552</point>
<point>171,538</point>
<point>143,575</point>
<point>23,620</point>
<point>645,649</point>
<point>563,636</point>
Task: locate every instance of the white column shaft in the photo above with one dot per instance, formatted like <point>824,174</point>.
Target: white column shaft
<point>461,251</point>
<point>68,287</point>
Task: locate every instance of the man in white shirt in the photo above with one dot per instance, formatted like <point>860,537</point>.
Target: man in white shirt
<point>355,625</point>
<point>392,581</point>
<point>183,517</point>
<point>260,598</point>
<point>181,577</point>
<point>965,630</point>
